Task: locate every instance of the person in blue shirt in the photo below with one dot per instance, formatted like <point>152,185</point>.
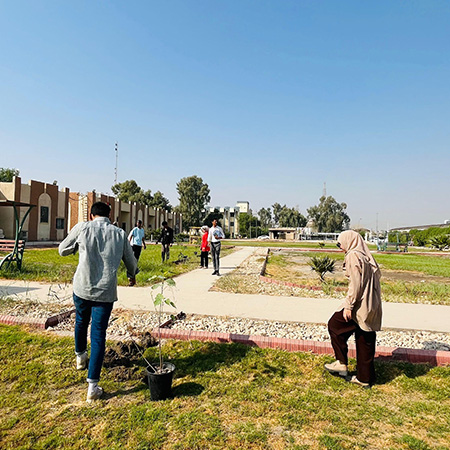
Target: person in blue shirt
<point>137,241</point>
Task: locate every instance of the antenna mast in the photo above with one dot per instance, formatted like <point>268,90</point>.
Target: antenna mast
<point>116,149</point>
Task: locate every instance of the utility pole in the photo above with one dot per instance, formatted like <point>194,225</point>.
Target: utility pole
<point>325,189</point>
<point>116,149</point>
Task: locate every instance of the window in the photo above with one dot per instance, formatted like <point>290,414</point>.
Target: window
<point>60,224</point>
<point>231,224</point>
<point>44,214</point>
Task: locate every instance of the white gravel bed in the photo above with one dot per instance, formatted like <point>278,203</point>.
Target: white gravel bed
<point>34,309</point>
<point>125,322</point>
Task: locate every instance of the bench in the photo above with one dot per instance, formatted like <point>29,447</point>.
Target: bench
<point>14,253</point>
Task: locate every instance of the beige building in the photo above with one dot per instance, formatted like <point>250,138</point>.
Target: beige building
<point>230,221</point>
<point>56,211</point>
<point>124,214</point>
<point>47,221</point>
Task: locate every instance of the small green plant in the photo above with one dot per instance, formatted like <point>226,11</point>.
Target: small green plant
<point>321,244</point>
<point>321,265</point>
<point>159,300</point>
<point>440,242</point>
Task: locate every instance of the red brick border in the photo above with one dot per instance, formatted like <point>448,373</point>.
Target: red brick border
<point>433,357</point>
<point>18,320</point>
<point>36,323</point>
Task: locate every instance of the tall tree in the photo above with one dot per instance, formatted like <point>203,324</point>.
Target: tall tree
<point>130,191</point>
<point>276,208</point>
<point>329,216</point>
<point>159,201</point>
<point>265,216</point>
<point>249,225</point>
<point>7,175</point>
<point>291,217</point>
<point>193,195</point>
<point>216,214</point>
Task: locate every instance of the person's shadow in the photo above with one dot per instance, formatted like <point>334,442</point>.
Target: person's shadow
<point>387,371</point>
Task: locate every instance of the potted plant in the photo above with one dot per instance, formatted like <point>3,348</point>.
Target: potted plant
<point>160,375</point>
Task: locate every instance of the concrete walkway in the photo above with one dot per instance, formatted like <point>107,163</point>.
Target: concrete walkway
<point>192,295</point>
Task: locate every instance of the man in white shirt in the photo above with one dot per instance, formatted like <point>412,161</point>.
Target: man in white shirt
<point>215,235</point>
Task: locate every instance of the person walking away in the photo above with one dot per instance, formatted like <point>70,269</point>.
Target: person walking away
<point>101,246</point>
<point>215,235</point>
<point>166,241</point>
<point>204,247</point>
<point>137,241</point>
<point>361,313</point>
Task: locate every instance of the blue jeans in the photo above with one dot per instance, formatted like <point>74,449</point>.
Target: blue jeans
<point>100,313</point>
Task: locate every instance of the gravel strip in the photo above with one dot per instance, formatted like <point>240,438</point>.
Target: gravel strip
<point>125,322</point>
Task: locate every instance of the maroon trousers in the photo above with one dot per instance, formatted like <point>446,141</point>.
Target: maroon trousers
<point>340,331</point>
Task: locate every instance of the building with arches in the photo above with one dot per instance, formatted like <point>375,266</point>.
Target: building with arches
<point>58,210</point>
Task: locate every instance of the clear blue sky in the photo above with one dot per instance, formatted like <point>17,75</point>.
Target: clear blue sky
<point>265,100</point>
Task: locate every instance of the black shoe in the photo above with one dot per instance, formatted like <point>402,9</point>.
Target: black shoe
<point>218,274</point>
<point>214,273</point>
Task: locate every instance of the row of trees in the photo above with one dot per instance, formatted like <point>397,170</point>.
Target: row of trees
<point>130,191</point>
<point>194,196</point>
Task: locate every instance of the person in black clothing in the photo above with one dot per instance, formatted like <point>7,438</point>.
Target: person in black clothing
<point>166,241</point>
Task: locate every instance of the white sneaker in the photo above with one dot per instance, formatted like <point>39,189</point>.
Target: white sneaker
<point>337,367</point>
<point>355,380</point>
<point>82,361</point>
<point>94,393</point>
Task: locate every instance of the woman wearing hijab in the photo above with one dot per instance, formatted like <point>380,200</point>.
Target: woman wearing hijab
<point>361,313</point>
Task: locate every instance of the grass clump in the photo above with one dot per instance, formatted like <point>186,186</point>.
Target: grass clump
<point>226,396</point>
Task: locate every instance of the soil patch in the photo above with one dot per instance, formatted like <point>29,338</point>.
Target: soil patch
<point>124,358</point>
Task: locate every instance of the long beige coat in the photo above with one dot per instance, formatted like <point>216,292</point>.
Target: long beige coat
<point>364,291</point>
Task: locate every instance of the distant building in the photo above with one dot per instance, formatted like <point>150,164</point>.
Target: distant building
<point>230,221</point>
<point>48,221</point>
<point>422,227</point>
<point>58,211</point>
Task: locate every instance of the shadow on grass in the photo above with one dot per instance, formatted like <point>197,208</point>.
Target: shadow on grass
<point>188,389</point>
<point>209,357</point>
<point>138,388</point>
<point>389,371</point>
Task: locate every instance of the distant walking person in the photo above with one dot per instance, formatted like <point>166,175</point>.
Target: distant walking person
<point>361,313</point>
<point>137,240</point>
<point>166,241</point>
<point>102,246</point>
<point>215,235</point>
<point>204,248</point>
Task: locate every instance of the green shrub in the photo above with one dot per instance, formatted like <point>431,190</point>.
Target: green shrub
<point>440,242</point>
<point>321,265</point>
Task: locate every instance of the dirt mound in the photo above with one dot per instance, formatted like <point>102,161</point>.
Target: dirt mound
<point>123,357</point>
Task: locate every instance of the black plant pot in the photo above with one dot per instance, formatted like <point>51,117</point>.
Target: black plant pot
<point>160,384</point>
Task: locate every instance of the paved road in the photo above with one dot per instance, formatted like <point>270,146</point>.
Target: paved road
<point>192,295</point>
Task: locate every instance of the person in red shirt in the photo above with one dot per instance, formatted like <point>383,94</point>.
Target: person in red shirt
<point>204,247</point>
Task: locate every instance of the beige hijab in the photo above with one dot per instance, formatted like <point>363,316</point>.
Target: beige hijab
<point>351,241</point>
<point>364,291</point>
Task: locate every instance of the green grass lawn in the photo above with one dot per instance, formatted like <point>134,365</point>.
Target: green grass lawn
<point>418,290</point>
<point>227,396</point>
<point>46,265</point>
